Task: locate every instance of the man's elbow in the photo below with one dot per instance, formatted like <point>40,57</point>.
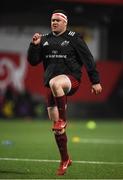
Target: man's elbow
<point>31,61</point>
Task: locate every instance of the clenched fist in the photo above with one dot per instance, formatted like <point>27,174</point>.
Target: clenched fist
<point>96,88</point>
<point>36,39</point>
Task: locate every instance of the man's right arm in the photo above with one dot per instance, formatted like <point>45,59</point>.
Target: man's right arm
<point>34,50</point>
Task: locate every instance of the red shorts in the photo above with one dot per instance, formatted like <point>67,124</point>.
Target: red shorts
<point>74,87</point>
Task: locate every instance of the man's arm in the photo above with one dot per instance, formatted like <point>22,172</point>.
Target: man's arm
<point>34,50</point>
<point>87,59</point>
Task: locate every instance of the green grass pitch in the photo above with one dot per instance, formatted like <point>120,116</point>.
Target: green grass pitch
<point>28,150</point>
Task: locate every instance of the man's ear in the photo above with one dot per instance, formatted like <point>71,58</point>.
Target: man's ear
<point>65,23</point>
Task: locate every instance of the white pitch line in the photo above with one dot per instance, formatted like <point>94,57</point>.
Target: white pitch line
<point>101,141</point>
<point>97,141</point>
<point>55,161</point>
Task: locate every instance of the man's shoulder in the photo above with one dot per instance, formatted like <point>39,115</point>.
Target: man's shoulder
<point>47,35</point>
<point>72,34</point>
<point>46,38</point>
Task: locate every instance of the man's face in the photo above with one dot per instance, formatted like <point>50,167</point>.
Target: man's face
<point>58,24</point>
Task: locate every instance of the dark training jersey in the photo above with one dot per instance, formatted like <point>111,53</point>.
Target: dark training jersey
<point>63,54</point>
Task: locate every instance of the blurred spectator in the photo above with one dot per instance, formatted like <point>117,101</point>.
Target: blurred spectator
<point>7,108</point>
<point>24,105</point>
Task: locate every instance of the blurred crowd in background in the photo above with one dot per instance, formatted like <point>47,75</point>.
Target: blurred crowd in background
<point>20,105</point>
<point>100,22</point>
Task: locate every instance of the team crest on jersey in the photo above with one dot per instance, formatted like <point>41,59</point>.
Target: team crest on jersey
<point>65,43</point>
<point>46,43</point>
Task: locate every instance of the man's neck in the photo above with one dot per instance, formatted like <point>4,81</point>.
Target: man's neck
<point>58,34</point>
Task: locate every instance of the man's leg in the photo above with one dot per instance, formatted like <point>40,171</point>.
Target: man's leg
<point>60,86</point>
<point>59,133</point>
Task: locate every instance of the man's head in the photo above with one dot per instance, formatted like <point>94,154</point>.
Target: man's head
<point>59,21</point>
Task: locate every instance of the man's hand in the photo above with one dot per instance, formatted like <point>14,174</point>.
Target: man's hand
<point>36,39</point>
<point>96,88</point>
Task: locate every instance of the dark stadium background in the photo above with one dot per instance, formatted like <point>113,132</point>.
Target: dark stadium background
<point>23,17</point>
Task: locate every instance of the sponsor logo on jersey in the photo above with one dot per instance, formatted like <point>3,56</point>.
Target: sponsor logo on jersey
<point>57,56</point>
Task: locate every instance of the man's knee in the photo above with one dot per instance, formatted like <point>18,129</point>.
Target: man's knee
<point>54,85</point>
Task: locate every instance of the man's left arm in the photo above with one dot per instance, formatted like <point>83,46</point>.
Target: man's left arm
<point>87,59</point>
